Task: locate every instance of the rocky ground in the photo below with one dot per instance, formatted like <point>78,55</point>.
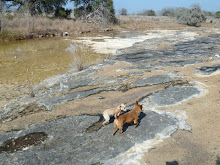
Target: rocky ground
<point>173,74</point>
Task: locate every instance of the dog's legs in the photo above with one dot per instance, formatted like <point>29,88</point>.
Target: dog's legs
<point>136,122</point>
<point>113,129</point>
<point>120,131</point>
<point>107,118</point>
<point>120,127</point>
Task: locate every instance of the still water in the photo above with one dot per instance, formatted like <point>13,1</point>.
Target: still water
<point>33,60</point>
<point>23,64</point>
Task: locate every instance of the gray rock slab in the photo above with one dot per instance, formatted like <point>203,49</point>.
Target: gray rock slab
<point>178,62</point>
<point>183,53</point>
<point>207,70</point>
<point>52,84</point>
<point>69,144</point>
<point>137,73</point>
<point>173,95</point>
<point>157,79</point>
<point>49,102</point>
<point>137,67</point>
<point>88,81</point>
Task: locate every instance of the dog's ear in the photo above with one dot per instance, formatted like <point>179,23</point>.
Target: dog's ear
<point>141,107</point>
<point>136,102</point>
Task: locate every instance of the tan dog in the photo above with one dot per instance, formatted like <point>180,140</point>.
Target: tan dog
<point>111,112</point>
<point>128,117</point>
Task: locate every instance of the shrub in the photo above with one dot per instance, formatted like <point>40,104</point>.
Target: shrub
<point>7,35</point>
<point>123,11</point>
<point>191,17</point>
<point>217,14</point>
<point>168,12</point>
<point>207,13</point>
<point>9,16</point>
<point>78,55</point>
<point>148,13</point>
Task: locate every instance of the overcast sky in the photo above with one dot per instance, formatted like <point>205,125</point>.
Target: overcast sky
<point>135,6</point>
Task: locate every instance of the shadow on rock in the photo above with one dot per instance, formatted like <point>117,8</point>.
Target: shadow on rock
<point>95,126</point>
<point>172,163</point>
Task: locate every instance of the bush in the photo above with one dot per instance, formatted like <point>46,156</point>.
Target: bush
<point>207,13</point>
<point>7,35</point>
<point>123,11</point>
<point>217,14</point>
<point>168,12</point>
<point>148,13</point>
<point>191,17</point>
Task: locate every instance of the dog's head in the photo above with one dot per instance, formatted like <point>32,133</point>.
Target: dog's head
<point>138,107</point>
<point>122,107</point>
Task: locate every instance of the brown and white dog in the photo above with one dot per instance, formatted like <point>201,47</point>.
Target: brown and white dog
<point>111,112</point>
<point>131,116</point>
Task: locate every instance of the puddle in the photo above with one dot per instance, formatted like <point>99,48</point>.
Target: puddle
<point>23,64</point>
<point>208,70</point>
<point>33,60</point>
<point>18,144</point>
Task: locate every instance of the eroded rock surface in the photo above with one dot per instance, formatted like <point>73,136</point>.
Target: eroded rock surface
<point>68,142</point>
<point>82,139</point>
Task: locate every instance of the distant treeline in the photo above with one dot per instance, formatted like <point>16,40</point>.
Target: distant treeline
<point>193,16</point>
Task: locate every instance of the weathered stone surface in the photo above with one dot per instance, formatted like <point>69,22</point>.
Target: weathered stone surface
<point>45,91</point>
<point>88,81</point>
<point>69,144</point>
<point>49,102</point>
<point>207,70</point>
<point>137,73</point>
<point>183,53</point>
<point>157,79</point>
<point>55,81</point>
<point>80,139</point>
<point>173,95</point>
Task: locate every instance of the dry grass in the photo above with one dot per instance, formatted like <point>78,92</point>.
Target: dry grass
<point>27,25</point>
<point>83,57</point>
<point>20,26</point>
<point>145,23</point>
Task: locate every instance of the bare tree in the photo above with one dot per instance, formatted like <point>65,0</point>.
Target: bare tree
<point>100,15</point>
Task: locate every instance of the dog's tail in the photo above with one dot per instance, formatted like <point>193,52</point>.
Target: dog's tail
<point>117,112</point>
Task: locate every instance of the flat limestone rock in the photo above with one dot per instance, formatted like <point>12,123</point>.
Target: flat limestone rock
<point>157,79</point>
<point>173,95</point>
<point>68,142</point>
